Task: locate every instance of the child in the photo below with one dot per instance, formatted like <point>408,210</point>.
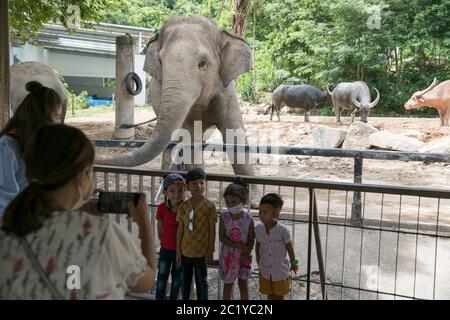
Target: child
<point>236,232</point>
<point>273,241</point>
<point>196,235</point>
<point>174,192</point>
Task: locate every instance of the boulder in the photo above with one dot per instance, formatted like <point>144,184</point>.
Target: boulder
<point>358,136</point>
<point>437,146</point>
<point>393,141</point>
<point>411,133</point>
<point>326,137</point>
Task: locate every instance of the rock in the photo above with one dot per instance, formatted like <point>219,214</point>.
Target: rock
<point>264,109</point>
<point>358,136</point>
<point>437,146</point>
<point>392,141</point>
<point>410,133</point>
<point>326,137</point>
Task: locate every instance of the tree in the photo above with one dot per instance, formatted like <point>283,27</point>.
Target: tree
<point>321,42</point>
<point>239,15</point>
<point>27,17</point>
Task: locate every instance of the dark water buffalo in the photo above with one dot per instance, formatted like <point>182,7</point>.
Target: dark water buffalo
<point>352,96</point>
<point>299,96</point>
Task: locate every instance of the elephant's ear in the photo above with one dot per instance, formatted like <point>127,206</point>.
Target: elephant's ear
<point>152,63</point>
<point>236,57</point>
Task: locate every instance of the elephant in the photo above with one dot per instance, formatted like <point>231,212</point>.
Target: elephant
<point>22,73</point>
<point>193,65</point>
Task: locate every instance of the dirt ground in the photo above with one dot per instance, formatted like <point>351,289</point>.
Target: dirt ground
<point>351,255</point>
<point>293,131</point>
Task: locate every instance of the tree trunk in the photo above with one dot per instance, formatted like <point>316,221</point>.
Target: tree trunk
<point>396,59</point>
<point>239,15</point>
<point>4,64</point>
<point>255,94</point>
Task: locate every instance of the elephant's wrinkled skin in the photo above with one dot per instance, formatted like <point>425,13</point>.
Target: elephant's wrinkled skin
<point>193,65</point>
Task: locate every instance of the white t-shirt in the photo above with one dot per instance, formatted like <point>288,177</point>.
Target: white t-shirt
<point>109,258</point>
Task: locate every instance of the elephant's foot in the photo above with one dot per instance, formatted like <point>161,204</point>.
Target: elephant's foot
<point>256,193</point>
<point>339,123</point>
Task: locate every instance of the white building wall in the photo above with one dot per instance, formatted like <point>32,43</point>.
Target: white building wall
<point>29,53</point>
<point>80,65</point>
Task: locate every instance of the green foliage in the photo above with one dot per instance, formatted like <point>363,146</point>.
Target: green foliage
<point>303,41</point>
<point>27,17</point>
<point>80,100</point>
<point>110,83</point>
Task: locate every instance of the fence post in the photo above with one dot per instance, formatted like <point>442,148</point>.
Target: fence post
<point>319,247</point>
<point>308,262</point>
<point>73,103</point>
<point>4,64</point>
<point>356,205</point>
<point>124,101</point>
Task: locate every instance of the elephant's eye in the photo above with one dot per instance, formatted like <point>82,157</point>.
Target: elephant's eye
<point>203,66</point>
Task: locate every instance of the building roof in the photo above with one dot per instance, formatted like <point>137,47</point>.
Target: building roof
<point>100,39</point>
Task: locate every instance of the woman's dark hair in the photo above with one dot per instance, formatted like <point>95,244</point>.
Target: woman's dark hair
<point>238,188</point>
<point>54,155</point>
<point>272,199</point>
<point>35,111</point>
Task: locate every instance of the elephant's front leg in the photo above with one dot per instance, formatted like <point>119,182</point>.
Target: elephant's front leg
<point>233,133</point>
<point>166,161</point>
<point>182,156</point>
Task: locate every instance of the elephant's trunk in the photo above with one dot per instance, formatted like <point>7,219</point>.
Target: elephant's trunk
<point>176,102</point>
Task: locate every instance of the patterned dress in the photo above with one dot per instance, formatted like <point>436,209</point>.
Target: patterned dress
<point>109,259</point>
<point>232,263</point>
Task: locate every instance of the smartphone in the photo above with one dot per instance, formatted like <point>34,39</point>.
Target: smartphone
<point>116,202</point>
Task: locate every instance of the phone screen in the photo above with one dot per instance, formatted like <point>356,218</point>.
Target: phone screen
<point>116,202</point>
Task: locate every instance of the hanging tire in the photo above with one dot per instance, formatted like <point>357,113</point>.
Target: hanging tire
<point>131,79</point>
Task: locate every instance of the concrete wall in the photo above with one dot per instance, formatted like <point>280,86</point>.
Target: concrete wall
<point>29,53</point>
<point>82,65</point>
<point>94,86</point>
<point>88,69</point>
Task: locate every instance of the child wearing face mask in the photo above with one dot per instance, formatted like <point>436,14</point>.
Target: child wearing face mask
<point>237,237</point>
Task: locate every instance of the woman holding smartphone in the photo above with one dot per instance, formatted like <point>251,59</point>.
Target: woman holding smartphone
<point>50,249</point>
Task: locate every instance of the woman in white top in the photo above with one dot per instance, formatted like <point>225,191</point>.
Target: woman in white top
<point>45,239</point>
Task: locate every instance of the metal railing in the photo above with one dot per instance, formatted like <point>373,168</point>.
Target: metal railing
<point>399,250</point>
<point>357,155</point>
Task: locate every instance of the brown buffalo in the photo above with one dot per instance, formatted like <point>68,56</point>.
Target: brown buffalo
<point>436,96</point>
